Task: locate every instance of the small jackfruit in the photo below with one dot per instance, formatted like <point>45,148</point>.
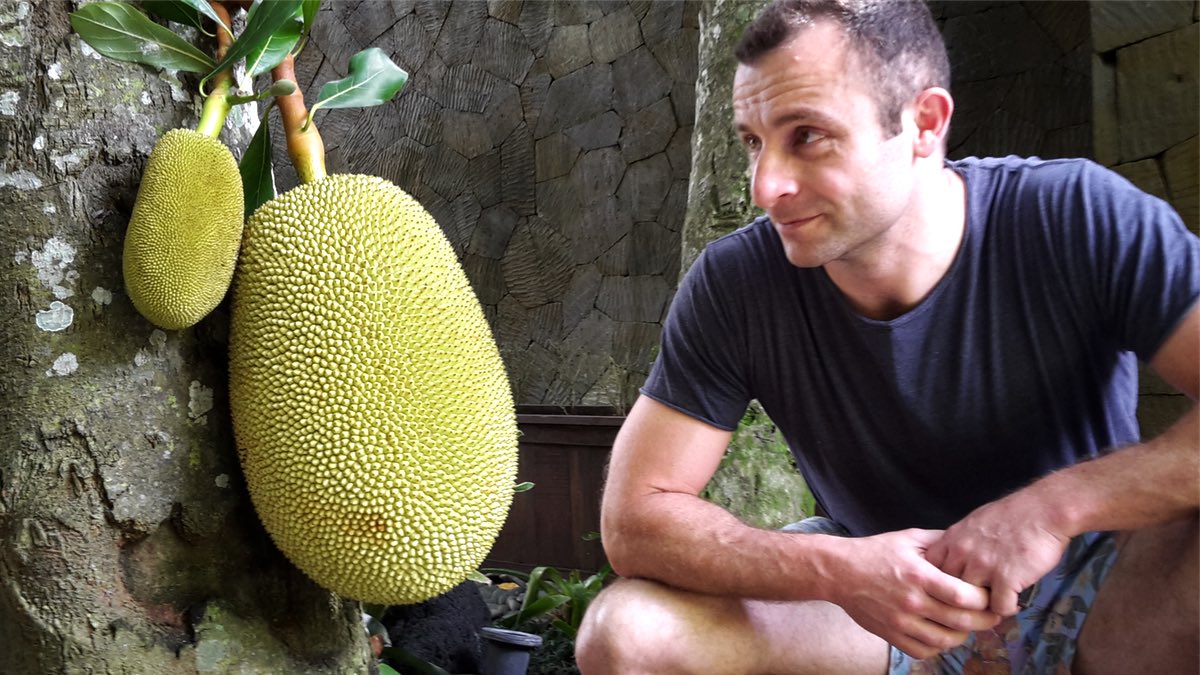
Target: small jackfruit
<point>183,237</point>
<point>371,409</point>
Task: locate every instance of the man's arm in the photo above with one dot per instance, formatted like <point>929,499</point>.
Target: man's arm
<point>1010,543</point>
<point>655,526</point>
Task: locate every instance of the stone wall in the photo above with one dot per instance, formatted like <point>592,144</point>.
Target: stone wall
<point>551,142</point>
<point>1145,62</point>
<point>1021,77</point>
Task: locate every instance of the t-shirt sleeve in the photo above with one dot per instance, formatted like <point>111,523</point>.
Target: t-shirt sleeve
<point>1146,273</point>
<point>699,370</point>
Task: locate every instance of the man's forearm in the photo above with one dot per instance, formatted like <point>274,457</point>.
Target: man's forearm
<point>1138,486</point>
<point>687,542</point>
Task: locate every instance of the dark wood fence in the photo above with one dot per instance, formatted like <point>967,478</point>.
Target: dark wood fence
<point>563,451</point>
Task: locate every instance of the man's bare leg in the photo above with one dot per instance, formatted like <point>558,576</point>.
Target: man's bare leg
<point>639,626</point>
<point>1146,616</point>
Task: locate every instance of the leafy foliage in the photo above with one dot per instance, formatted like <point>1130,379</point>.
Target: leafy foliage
<point>373,80</point>
<point>553,598</point>
<point>121,32</point>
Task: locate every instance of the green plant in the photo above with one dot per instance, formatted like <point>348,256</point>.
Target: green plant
<point>553,599</point>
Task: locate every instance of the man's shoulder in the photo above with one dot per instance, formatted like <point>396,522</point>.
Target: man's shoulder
<point>1036,167</point>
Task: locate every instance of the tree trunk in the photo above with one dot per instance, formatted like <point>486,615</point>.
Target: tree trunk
<point>757,479</point>
<point>719,189</point>
<point>128,543</point>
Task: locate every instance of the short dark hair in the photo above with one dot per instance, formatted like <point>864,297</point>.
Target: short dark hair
<point>896,42</point>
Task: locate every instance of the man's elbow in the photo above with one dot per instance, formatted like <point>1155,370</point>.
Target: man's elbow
<point>618,536</point>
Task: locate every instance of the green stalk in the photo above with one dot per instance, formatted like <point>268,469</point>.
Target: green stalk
<point>217,104</point>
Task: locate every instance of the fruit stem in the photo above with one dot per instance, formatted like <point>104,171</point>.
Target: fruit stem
<point>305,146</point>
<point>217,104</point>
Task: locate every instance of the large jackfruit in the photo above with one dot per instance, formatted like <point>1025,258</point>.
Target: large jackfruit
<point>371,409</point>
<point>183,237</point>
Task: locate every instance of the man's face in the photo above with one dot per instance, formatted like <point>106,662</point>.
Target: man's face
<point>821,168</point>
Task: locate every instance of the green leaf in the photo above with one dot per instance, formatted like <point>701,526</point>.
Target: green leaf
<point>373,80</point>
<point>175,10</point>
<point>410,663</point>
<point>308,10</point>
<point>523,487</point>
<point>385,669</point>
<point>543,605</point>
<point>478,577</point>
<point>206,9</point>
<point>271,53</point>
<point>258,175</point>
<point>121,32</point>
<point>268,19</point>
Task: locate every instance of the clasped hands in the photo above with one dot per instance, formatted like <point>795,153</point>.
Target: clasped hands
<point>924,591</point>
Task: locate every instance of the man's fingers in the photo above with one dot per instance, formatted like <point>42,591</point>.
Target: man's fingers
<point>957,593</point>
<point>1005,601</point>
<point>924,639</point>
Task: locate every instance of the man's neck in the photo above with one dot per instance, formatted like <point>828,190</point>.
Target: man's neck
<point>909,260</point>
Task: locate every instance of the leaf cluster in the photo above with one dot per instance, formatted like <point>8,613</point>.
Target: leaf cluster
<point>274,30</point>
<point>554,598</point>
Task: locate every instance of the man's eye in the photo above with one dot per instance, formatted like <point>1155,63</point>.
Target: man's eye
<point>807,137</point>
<point>751,143</point>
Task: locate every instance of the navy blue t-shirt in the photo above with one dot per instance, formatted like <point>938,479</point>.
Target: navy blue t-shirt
<point>1021,360</point>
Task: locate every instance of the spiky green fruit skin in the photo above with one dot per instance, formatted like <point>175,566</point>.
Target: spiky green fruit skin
<point>182,241</point>
<point>372,413</point>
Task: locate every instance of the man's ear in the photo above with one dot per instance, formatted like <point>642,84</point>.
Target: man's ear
<point>931,112</point>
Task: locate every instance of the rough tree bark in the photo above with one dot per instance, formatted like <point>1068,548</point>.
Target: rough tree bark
<point>757,479</point>
<point>127,540</point>
<point>718,190</point>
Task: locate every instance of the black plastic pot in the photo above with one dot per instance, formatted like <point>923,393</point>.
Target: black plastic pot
<point>506,652</point>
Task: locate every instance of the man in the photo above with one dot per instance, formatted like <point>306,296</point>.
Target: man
<point>949,348</point>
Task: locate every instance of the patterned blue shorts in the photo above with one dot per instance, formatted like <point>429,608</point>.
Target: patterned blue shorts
<point>1040,639</point>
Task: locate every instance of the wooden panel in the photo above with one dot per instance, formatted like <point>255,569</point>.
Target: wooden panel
<point>564,456</point>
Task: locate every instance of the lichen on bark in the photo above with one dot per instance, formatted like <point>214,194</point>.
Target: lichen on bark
<point>126,534</point>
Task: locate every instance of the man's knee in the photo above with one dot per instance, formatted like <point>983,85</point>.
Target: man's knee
<point>617,634</point>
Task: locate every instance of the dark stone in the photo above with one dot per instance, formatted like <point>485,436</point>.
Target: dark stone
<point>580,297</point>
<point>422,117</point>
<point>466,87</point>
<point>466,132</point>
<point>634,343</point>
<point>615,261</point>
<point>645,186</point>
<point>597,174</point>
<point>466,216</point>
<point>1002,41</point>
<point>403,163</point>
<point>537,22</point>
<point>432,14</point>
<point>648,131</point>
<point>683,102</point>
<point>537,264</point>
<point>483,178</point>
<point>1115,24</point>
<point>651,248</point>
<point>508,11</point>
<point>568,50</point>
<point>633,298</point>
<point>675,207</point>
<point>545,323</point>
<point>534,92</point>
<point>679,152</point>
<point>486,278</point>
<point>638,81</point>
<point>663,20</point>
<point>517,179</point>
<point>504,113</point>
<point>493,232</point>
<point>555,155</point>
<point>601,131</point>
<point>461,31</point>
<point>503,51</point>
<point>576,12</point>
<point>679,55</point>
<point>576,97</point>
<point>443,630</point>
<point>557,201</point>
<point>367,21</point>
<point>445,171</point>
<point>596,229</point>
<point>614,35</point>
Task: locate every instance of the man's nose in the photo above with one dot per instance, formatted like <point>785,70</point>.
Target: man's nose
<point>774,178</point>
